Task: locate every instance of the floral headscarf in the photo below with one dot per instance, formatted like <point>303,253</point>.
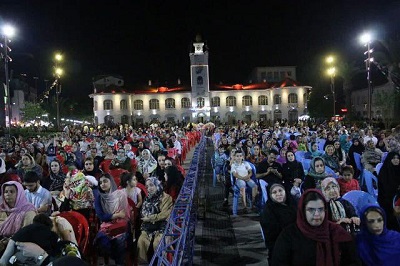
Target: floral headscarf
<point>147,166</point>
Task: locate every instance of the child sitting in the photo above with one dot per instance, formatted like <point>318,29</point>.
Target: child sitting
<point>219,158</point>
<point>346,181</point>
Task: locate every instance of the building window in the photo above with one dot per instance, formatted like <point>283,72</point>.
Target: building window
<point>138,105</point>
<point>124,119</point>
<point>154,104</point>
<point>247,100</point>
<point>123,104</point>
<point>185,103</point>
<point>263,75</point>
<point>277,99</point>
<point>231,101</point>
<point>276,76</point>
<point>95,105</point>
<point>200,102</point>
<point>215,102</point>
<point>108,105</point>
<point>283,75</point>
<point>292,98</point>
<point>170,103</point>
<point>262,100</point>
<point>269,76</point>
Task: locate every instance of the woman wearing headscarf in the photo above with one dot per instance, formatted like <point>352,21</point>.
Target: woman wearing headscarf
<point>315,174</point>
<point>376,245</point>
<point>313,240</point>
<point>340,211</point>
<point>56,178</point>
<point>371,156</point>
<point>26,164</point>
<point>156,209</point>
<point>121,161</point>
<point>173,181</point>
<point>389,185</point>
<point>292,171</point>
<point>279,212</point>
<point>112,208</point>
<point>146,164</point>
<point>330,158</point>
<point>339,153</point>
<point>356,147</point>
<point>15,211</point>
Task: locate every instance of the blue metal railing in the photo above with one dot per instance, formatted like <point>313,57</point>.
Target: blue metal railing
<point>177,244</point>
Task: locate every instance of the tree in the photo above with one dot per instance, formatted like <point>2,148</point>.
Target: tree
<point>385,101</point>
<point>32,111</point>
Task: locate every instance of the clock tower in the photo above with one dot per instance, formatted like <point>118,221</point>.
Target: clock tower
<point>200,81</point>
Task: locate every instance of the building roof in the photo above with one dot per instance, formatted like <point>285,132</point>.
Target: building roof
<point>287,82</point>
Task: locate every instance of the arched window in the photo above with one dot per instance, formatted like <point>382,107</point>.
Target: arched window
<point>262,100</point>
<point>277,99</point>
<point>170,103</point>
<point>138,105</point>
<point>123,105</point>
<point>247,100</point>
<point>109,120</point>
<point>215,102</point>
<point>154,104</point>
<point>200,102</point>
<point>292,98</point>
<point>185,103</point>
<point>231,101</point>
<point>107,105</point>
<point>95,106</point>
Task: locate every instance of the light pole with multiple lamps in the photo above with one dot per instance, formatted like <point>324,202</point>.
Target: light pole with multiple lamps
<point>58,71</point>
<point>8,31</point>
<point>331,72</point>
<point>366,40</point>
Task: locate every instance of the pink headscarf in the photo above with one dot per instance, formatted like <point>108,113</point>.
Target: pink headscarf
<point>17,214</point>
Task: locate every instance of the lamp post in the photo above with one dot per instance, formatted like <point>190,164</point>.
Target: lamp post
<point>331,72</point>
<point>8,32</point>
<point>58,71</point>
<point>366,40</point>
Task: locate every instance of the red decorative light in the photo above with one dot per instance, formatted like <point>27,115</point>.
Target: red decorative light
<point>344,110</point>
<point>162,89</point>
<point>237,87</point>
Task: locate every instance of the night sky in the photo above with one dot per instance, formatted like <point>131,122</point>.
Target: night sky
<point>142,40</point>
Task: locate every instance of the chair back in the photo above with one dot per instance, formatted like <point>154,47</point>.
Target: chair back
<point>359,199</point>
<point>306,164</point>
<point>357,160</point>
<point>80,226</point>
<point>263,186</point>
<point>368,178</point>
<point>321,144</point>
<point>300,155</point>
<point>384,155</point>
<point>330,171</point>
<point>116,174</point>
<point>378,167</point>
<point>142,188</point>
<point>105,165</point>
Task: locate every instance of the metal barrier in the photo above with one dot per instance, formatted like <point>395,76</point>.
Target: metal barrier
<point>177,244</point>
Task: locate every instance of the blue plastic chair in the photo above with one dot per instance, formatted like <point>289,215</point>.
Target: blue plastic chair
<point>321,144</point>
<point>300,155</point>
<point>306,164</point>
<point>357,160</point>
<point>368,178</point>
<point>236,190</point>
<point>330,171</point>
<point>263,186</point>
<point>214,173</point>
<point>384,155</point>
<point>378,167</point>
<point>359,199</point>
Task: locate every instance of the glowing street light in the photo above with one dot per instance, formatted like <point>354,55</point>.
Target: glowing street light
<point>58,57</point>
<point>331,72</point>
<point>366,39</point>
<point>58,72</point>
<point>8,32</point>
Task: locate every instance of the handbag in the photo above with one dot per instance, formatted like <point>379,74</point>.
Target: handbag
<point>114,228</point>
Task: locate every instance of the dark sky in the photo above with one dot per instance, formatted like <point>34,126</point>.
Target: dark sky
<point>143,40</point>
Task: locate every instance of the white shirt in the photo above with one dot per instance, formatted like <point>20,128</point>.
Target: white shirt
<point>39,198</point>
<point>241,169</point>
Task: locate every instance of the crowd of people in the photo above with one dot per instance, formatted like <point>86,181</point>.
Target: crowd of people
<point>122,181</point>
<point>307,169</point>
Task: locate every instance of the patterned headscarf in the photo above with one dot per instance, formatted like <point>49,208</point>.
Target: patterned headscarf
<point>147,166</point>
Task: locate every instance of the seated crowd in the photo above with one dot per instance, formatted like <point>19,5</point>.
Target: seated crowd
<point>305,197</point>
<point>105,191</point>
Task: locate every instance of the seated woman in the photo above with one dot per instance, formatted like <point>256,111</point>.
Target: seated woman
<point>371,156</point>
<point>121,161</point>
<point>146,164</point>
<point>314,152</point>
<point>55,181</point>
<point>292,171</point>
<point>375,243</point>
<point>313,240</point>
<point>340,210</point>
<point>89,169</point>
<point>316,174</point>
<point>156,209</point>
<point>26,164</point>
<point>279,212</point>
<point>340,153</point>
<point>112,208</point>
<point>331,160</point>
<point>15,210</point>
<point>173,182</point>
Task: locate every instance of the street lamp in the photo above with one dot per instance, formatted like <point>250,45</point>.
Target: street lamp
<point>8,32</point>
<point>331,72</point>
<point>58,72</point>
<point>366,40</point>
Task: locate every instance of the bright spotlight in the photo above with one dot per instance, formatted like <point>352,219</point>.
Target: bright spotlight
<point>365,38</point>
<point>9,31</point>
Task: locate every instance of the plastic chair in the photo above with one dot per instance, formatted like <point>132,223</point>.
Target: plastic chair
<point>105,165</point>
<point>384,156</point>
<point>359,199</point>
<point>378,167</point>
<point>300,155</point>
<point>116,174</point>
<point>236,190</point>
<point>306,164</point>
<point>80,226</point>
<point>368,178</point>
<point>321,144</point>
<point>357,160</point>
<point>263,186</point>
<point>330,171</point>
<point>214,173</point>
<point>395,198</point>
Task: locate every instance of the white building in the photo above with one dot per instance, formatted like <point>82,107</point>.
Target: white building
<point>261,99</point>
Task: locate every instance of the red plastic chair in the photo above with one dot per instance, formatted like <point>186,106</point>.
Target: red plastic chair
<point>142,187</point>
<point>116,174</point>
<point>80,226</point>
<point>105,165</point>
<point>134,164</point>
